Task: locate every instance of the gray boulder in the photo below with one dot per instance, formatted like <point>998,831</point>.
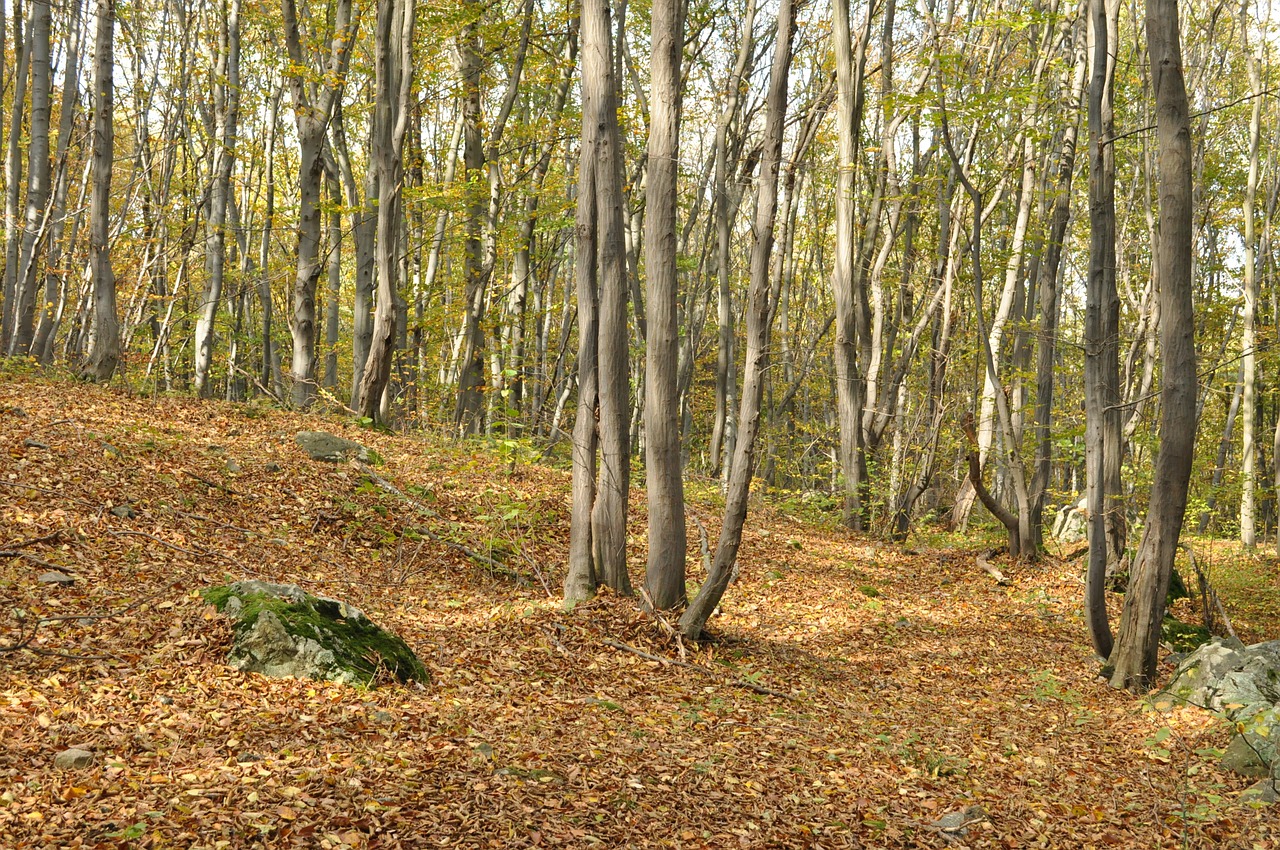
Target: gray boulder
<point>73,759</point>
<point>1265,792</point>
<point>1243,683</point>
<point>334,449</point>
<point>281,630</point>
<point>1072,524</point>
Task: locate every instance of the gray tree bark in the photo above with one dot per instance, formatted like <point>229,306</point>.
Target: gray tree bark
<point>103,352</point>
<point>38,174</point>
<point>1132,663</point>
<point>759,320</point>
<point>664,472</point>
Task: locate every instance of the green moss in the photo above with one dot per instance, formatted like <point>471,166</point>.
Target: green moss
<point>358,644</point>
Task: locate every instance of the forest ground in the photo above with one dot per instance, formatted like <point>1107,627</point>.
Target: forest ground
<point>855,691</point>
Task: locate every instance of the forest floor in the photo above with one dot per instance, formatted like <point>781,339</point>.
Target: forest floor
<point>853,694</point>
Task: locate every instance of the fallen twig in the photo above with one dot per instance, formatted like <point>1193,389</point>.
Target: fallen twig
<point>212,484</point>
<point>1000,577</point>
<point>738,683</point>
<point>18,485</point>
<point>31,541</point>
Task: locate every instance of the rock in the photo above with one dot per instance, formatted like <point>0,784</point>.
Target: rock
<point>383,717</point>
<point>34,444</point>
<point>1072,524</point>
<point>281,630</point>
<point>953,824</point>
<point>164,700</point>
<point>123,511</point>
<point>1242,759</point>
<point>328,447</point>
<point>60,579</point>
<point>1243,683</point>
<point>1265,792</point>
<point>232,466</point>
<point>111,451</point>
<point>272,467</point>
<point>73,759</point>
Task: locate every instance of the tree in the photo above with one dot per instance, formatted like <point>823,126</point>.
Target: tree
<point>760,310</point>
<point>394,64</point>
<point>598,526</point>
<point>103,352</point>
<point>226,106</point>
<point>664,470</point>
<point>313,104</point>
<point>1132,663</point>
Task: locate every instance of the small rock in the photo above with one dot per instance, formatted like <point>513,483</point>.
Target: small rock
<point>334,449</point>
<point>384,717</point>
<point>14,411</point>
<point>164,700</point>
<point>957,823</point>
<point>272,467</point>
<point>243,758</point>
<point>1243,759</point>
<point>73,759</point>
<point>1265,792</point>
<point>34,444</point>
<point>112,451</point>
<point>123,511</point>
<point>60,579</point>
<point>232,466</point>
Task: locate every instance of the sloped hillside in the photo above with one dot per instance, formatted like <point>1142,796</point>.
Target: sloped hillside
<point>854,694</point>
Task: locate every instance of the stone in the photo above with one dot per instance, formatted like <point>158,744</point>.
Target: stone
<point>1265,792</point>
<point>272,467</point>
<point>60,579</point>
<point>73,759</point>
<point>1243,684</point>
<point>383,717</point>
<point>1242,759</point>
<point>329,447</point>
<point>123,511</point>
<point>232,466</point>
<point>1072,524</point>
<point>34,444</point>
<point>282,630</point>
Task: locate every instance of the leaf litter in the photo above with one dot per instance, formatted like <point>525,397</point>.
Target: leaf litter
<point>853,695</point>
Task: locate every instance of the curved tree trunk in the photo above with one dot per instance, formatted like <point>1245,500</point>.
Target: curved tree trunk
<point>103,354</point>
<point>1133,660</point>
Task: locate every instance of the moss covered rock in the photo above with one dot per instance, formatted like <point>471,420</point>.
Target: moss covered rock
<point>281,630</point>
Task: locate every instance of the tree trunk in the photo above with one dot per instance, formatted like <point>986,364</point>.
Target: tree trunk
<point>13,177</point>
<point>226,97</point>
<point>759,318</point>
<point>103,353</point>
<point>664,473</point>
<point>1133,660</point>
<point>1249,339</point>
<point>394,66</point>
<point>38,171</point>
<point>313,104</point>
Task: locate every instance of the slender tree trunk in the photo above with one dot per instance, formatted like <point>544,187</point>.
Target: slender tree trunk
<point>1133,660</point>
<point>334,294</point>
<point>313,104</point>
<point>38,171</point>
<point>53,275</point>
<point>468,414</point>
<point>1102,300</point>
<point>394,65</point>
<point>664,472</point>
<point>226,96</point>
<point>760,312</point>
<point>13,177</point>
<point>103,353</point>
<point>1249,339</point>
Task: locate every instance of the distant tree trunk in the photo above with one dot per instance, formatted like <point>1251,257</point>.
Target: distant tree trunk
<point>313,104</point>
<point>845,279</point>
<point>13,177</point>
<point>103,353</point>
<point>1249,339</point>
<point>722,425</point>
<point>334,293</point>
<point>1133,660</point>
<point>468,413</point>
<point>270,369</point>
<point>1102,301</point>
<point>664,472</point>
<point>760,312</point>
<point>363,226</point>
<point>226,105</point>
<point>598,529</point>
<point>38,172</point>
<point>394,65</point>
<point>54,276</point>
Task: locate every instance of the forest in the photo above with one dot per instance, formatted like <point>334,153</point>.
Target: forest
<point>932,280</point>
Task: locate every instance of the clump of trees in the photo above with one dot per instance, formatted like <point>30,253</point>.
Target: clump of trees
<point>800,246</point>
